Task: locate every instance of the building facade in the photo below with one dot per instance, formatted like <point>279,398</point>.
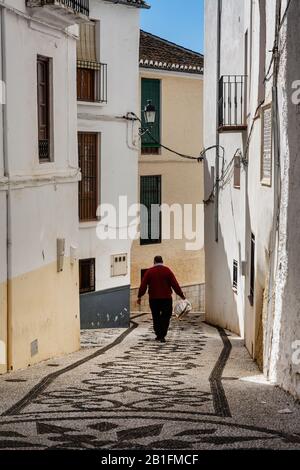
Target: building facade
<point>107,91</point>
<point>251,197</point>
<point>171,77</point>
<point>39,177</point>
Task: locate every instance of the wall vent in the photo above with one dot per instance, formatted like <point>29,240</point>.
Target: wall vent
<point>119,265</point>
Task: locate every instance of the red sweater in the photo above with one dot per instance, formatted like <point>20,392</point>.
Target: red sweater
<point>160,281</point>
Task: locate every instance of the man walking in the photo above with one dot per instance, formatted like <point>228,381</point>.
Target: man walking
<point>160,281</point>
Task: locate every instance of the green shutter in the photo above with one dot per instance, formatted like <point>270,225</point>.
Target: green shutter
<point>150,197</point>
<point>151,91</point>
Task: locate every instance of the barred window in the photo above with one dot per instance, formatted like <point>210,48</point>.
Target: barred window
<point>86,275</point>
<point>43,103</point>
<point>235,275</point>
<point>89,184</point>
<point>150,210</point>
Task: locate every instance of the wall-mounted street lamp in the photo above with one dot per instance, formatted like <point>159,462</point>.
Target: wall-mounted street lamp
<point>150,113</point>
<point>149,118</point>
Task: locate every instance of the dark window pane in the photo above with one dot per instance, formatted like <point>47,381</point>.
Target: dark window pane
<point>43,102</point>
<point>87,275</point>
<point>150,199</point>
<point>88,186</point>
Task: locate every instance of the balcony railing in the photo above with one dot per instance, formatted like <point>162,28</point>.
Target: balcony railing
<point>60,12</point>
<point>232,103</point>
<point>91,82</point>
<point>80,6</point>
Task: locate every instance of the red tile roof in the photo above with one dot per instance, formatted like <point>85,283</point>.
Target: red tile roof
<point>158,53</point>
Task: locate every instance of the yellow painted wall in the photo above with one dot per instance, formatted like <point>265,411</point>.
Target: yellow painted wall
<point>43,305</point>
<point>182,180</point>
<point>3,328</point>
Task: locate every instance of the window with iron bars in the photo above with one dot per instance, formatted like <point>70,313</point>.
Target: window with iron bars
<point>89,184</point>
<point>235,275</point>
<point>44,107</point>
<point>87,275</point>
<point>232,103</point>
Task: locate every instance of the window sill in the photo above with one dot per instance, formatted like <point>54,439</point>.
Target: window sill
<point>92,103</point>
<point>88,224</point>
<point>266,183</point>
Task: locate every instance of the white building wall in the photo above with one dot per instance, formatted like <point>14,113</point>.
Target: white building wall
<point>284,365</point>
<point>42,304</point>
<point>118,45</point>
<point>248,209</point>
<point>272,324</point>
<point>223,305</point>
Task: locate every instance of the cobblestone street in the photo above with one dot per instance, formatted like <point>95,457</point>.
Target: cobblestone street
<point>123,390</point>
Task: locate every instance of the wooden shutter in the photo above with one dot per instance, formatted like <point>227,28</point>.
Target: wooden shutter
<point>266,157</point>
<point>86,46</point>
<point>235,275</point>
<point>86,84</point>
<point>43,101</point>
<point>88,186</point>
<point>150,198</point>
<point>87,275</point>
<point>151,91</point>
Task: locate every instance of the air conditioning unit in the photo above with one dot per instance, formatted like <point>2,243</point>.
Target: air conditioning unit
<point>119,265</point>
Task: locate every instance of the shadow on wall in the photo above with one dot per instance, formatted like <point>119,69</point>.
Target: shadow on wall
<point>221,302</point>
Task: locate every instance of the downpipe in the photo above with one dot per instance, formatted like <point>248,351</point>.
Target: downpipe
<point>8,191</point>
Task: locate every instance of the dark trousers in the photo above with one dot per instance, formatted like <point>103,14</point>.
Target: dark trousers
<point>162,310</point>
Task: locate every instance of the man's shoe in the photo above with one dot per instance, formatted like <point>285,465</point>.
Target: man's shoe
<point>157,338</point>
<point>162,340</point>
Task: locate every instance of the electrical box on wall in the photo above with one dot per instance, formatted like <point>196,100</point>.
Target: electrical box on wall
<point>119,265</point>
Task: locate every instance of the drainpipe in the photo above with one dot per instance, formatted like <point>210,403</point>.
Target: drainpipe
<point>217,164</point>
<point>8,192</point>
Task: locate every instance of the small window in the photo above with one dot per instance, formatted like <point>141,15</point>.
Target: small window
<point>86,275</point>
<point>235,275</point>
<point>237,171</point>
<point>44,108</point>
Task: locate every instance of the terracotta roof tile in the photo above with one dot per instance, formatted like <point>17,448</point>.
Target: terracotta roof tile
<point>161,54</point>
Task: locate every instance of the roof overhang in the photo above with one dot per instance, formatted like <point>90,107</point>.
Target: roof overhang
<point>131,3</point>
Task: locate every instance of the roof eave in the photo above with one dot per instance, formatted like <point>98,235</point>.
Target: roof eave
<point>144,6</point>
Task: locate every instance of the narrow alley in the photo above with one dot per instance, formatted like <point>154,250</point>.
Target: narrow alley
<point>200,390</point>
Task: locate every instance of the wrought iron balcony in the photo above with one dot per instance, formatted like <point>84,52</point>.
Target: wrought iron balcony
<point>60,12</point>
<point>232,103</point>
<point>91,82</point>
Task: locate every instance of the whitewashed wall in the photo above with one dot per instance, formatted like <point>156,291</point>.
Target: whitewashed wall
<point>119,48</point>
<point>223,306</point>
<point>43,197</point>
<point>250,208</point>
